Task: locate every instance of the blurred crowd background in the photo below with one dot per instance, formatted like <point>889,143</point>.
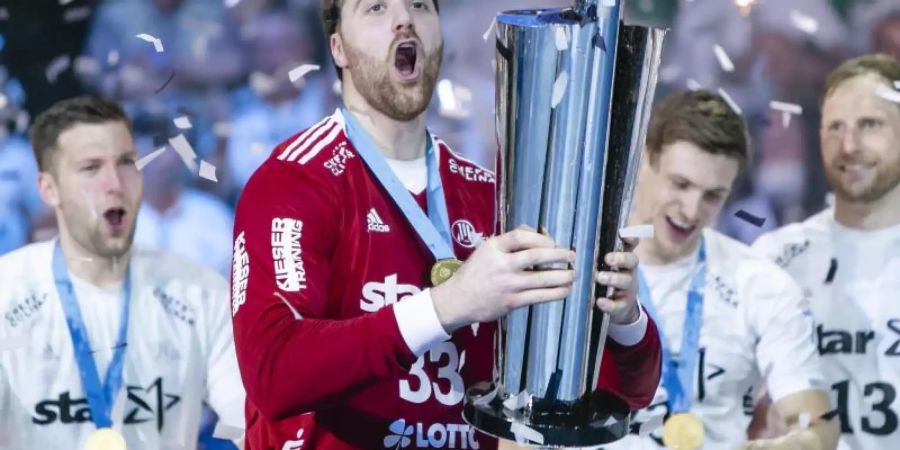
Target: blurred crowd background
<point>226,65</point>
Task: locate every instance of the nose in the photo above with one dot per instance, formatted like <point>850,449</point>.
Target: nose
<point>112,179</point>
<point>850,141</point>
<point>403,18</point>
<point>691,205</point>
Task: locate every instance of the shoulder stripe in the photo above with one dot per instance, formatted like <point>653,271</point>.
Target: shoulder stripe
<point>335,130</point>
<point>302,138</point>
<point>313,138</point>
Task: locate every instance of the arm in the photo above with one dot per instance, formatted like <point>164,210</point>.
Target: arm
<point>292,358</point>
<point>803,413</point>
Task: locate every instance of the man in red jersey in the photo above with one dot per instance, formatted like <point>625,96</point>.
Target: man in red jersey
<point>346,337</point>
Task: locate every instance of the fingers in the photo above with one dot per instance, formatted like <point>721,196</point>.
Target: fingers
<point>541,256</point>
<point>630,244</point>
<point>533,296</point>
<point>545,279</point>
<point>523,238</point>
<point>617,280</point>
<point>627,261</point>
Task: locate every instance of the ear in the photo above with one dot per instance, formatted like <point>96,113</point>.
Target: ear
<point>49,189</point>
<point>337,51</point>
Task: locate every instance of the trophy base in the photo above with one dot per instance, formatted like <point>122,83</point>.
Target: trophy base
<point>607,421</point>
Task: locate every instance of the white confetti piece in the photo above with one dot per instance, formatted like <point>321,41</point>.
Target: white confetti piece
<point>336,87</point>
<point>475,328</point>
<point>734,106</point>
<point>526,432</point>
<point>296,74</point>
<point>645,231</point>
<point>262,83</point>
<point>22,121</point>
<point>559,88</point>
<point>76,14</point>
<point>183,122</point>
<point>231,3</point>
<point>462,361</point>
<point>562,41</point>
<point>804,23</point>
<point>208,171</point>
<point>3,101</point>
<point>516,402</point>
<point>257,148</point>
<point>222,129</point>
<point>184,149</point>
<point>4,13</point>
<point>57,66</point>
<point>724,61</point>
<point>487,33</point>
<point>65,2</point>
<point>13,343</point>
<point>141,163</point>
<point>112,57</point>
<point>157,44</point>
<point>888,93</point>
<point>85,65</point>
<point>693,85</point>
<point>228,432</point>
<point>787,109</point>
<point>655,423</point>
<point>803,421</point>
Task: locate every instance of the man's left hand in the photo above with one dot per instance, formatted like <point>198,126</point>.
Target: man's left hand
<point>622,305</point>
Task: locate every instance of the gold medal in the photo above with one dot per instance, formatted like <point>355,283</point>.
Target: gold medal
<point>683,431</point>
<point>443,270</point>
<point>105,439</point>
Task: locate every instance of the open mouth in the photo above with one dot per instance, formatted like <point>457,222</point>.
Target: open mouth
<point>405,58</point>
<point>681,230</point>
<point>115,217</point>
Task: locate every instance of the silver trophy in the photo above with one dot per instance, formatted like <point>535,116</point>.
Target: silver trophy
<point>574,94</point>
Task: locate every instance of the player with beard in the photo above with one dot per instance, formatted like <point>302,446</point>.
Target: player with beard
<point>847,257</point>
<point>356,325</point>
<point>104,344</point>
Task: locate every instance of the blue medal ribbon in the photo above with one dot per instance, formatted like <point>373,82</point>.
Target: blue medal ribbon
<point>100,397</point>
<point>677,375</point>
<point>434,229</point>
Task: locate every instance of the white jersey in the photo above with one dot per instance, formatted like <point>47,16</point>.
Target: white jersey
<point>755,330</point>
<point>852,280</point>
<point>179,354</point>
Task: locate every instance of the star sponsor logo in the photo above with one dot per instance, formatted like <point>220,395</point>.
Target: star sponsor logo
<point>377,294</point>
<point>240,272</point>
<point>436,435</point>
<point>287,254</point>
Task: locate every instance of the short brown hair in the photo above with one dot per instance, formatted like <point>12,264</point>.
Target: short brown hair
<point>331,19</point>
<point>702,118</point>
<point>63,115</point>
<point>885,66</point>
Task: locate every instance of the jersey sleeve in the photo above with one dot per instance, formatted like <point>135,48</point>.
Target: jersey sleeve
<point>767,246</point>
<point>782,324</point>
<point>292,358</point>
<point>633,371</point>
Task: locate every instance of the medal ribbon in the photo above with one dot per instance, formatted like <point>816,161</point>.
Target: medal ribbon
<point>433,229</point>
<point>677,375</point>
<point>100,397</point>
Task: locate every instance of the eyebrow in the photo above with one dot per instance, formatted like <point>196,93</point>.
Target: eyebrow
<point>356,6</point>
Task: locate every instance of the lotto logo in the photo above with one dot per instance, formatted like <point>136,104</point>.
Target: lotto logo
<point>287,254</point>
<point>438,435</point>
<point>464,234</point>
<point>240,271</point>
<point>377,295</point>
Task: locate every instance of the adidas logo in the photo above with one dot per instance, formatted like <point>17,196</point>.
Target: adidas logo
<point>376,225</point>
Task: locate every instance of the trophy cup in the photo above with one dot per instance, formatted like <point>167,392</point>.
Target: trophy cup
<point>574,94</point>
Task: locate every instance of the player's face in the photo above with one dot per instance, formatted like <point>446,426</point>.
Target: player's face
<point>861,140</point>
<point>391,51</point>
<point>682,193</point>
<point>95,187</point>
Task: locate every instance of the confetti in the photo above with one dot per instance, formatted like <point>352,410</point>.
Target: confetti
<point>4,13</point>
<point>182,122</point>
<point>231,3</point>
<point>724,60</point>
<point>208,171</point>
<point>516,402</point>
<point>787,109</point>
<point>336,87</point>
<point>22,121</point>
<point>262,83</point>
<point>462,360</point>
<point>888,93</point>
<point>693,85</point>
<point>832,270</point>
<point>559,88</point>
<point>750,218</point>
<point>650,426</point>
<point>141,163</point>
<point>257,148</point>
<point>296,74</point>
<point>57,66</point>
<point>562,40</point>
<point>169,80</point>
<point>730,101</point>
<point>112,57</point>
<point>157,44</point>
<point>645,231</point>
<point>222,129</point>
<point>184,149</point>
<point>76,14</point>
<point>487,33</point>
<point>525,432</point>
<point>475,328</point>
<point>65,2</point>
<point>3,101</point>
<point>803,22</point>
<point>85,65</point>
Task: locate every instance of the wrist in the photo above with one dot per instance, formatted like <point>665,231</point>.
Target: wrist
<point>628,317</point>
<point>444,309</point>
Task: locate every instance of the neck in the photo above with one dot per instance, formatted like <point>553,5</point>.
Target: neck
<point>396,139</point>
<point>97,270</point>
<point>881,213</point>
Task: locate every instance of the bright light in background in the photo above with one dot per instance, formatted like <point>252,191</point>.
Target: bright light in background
<point>745,6</point>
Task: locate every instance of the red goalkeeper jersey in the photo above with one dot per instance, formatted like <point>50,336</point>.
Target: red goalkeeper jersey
<point>337,340</point>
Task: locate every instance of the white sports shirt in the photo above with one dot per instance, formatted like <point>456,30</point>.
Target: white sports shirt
<point>755,330</point>
<point>852,280</point>
<point>179,354</point>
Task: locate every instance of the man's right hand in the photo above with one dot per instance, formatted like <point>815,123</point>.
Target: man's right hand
<point>496,279</point>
